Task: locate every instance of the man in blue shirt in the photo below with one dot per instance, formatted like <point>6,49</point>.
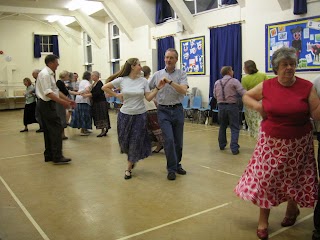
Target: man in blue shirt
<point>170,110</point>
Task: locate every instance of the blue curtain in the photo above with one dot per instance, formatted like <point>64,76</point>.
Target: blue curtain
<point>229,2</point>
<point>36,47</point>
<point>225,50</point>
<point>163,44</point>
<point>163,11</point>
<point>55,43</point>
<point>300,7</point>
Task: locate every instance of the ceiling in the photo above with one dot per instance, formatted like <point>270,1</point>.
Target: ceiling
<point>38,9</point>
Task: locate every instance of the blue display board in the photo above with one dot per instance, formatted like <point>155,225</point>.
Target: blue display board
<point>302,34</point>
<point>192,56</point>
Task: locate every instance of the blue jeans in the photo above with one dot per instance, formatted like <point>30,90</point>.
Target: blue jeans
<point>229,115</point>
<point>171,120</point>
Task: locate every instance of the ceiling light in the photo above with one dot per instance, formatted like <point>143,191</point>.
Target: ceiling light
<point>53,18</point>
<point>75,4</point>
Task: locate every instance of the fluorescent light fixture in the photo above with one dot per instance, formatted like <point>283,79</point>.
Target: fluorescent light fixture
<point>61,19</point>
<point>53,18</point>
<point>66,20</point>
<point>75,4</point>
<point>91,7</point>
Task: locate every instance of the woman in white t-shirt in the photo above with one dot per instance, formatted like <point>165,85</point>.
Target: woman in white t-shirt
<point>81,117</point>
<point>132,119</point>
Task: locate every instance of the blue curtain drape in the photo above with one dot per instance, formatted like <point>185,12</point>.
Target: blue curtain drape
<point>163,11</point>
<point>163,44</point>
<point>55,43</point>
<point>225,50</point>
<point>300,7</point>
<point>229,2</point>
<point>36,47</point>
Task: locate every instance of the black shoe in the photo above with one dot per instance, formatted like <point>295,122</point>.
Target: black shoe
<point>65,138</point>
<point>62,160</point>
<point>127,174</point>
<point>47,160</point>
<point>181,171</point>
<point>316,235</point>
<point>39,130</point>
<point>171,176</point>
<point>24,130</point>
<point>154,151</point>
<point>103,134</point>
<point>222,148</point>
<point>236,152</point>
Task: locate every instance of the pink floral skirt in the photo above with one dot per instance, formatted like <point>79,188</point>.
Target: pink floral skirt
<point>279,170</point>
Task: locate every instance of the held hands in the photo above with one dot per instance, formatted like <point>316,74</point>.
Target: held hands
<point>161,84</point>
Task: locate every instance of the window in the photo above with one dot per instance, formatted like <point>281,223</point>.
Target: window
<point>197,6</point>
<point>114,48</point>
<point>46,45</point>
<point>87,52</point>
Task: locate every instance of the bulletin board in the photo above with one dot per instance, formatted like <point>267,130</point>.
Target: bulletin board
<point>192,55</point>
<point>302,34</point>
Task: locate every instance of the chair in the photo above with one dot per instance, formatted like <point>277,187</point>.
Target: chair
<point>205,111</point>
<point>19,98</point>
<point>117,104</point>
<point>4,103</point>
<point>185,105</point>
<point>111,101</point>
<point>197,102</point>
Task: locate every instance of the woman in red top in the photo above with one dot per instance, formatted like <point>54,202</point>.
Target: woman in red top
<point>282,167</point>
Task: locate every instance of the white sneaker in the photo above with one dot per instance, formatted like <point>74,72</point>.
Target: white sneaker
<point>84,134</point>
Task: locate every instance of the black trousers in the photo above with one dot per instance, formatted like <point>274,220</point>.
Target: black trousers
<point>52,130</point>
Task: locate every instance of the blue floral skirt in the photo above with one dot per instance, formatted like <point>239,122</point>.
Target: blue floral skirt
<point>133,136</point>
<point>81,116</point>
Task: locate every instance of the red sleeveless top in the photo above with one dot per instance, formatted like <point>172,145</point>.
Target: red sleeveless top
<point>287,109</point>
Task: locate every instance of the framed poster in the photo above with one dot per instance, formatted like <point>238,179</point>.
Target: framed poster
<point>192,56</point>
<point>302,34</point>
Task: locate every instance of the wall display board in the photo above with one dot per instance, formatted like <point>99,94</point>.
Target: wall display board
<point>302,34</point>
<point>192,56</point>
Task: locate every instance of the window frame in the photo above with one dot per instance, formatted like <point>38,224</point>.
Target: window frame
<point>88,59</point>
<point>114,36</point>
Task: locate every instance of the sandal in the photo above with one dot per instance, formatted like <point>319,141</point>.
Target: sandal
<point>127,174</point>
<point>289,221</point>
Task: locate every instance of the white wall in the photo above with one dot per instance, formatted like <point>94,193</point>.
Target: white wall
<point>255,15</point>
<point>17,41</point>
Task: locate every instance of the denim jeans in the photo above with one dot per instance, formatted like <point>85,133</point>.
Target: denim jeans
<point>171,120</point>
<point>229,115</point>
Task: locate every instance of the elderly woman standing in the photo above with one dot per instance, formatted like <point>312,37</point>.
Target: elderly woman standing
<point>252,79</point>
<point>132,119</point>
<point>81,116</point>
<point>99,108</point>
<point>282,167</point>
<point>29,114</point>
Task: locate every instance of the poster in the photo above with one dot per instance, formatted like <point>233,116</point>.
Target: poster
<point>192,56</point>
<point>302,34</point>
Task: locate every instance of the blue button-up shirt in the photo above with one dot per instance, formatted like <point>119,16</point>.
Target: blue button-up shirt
<point>168,95</point>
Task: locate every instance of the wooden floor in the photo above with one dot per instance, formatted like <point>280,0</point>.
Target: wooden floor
<point>89,199</point>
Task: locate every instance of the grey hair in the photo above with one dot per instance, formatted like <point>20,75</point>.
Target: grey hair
<point>96,73</point>
<point>281,54</point>
<point>225,70</point>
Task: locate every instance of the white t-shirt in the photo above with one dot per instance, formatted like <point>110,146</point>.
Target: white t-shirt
<point>82,87</point>
<point>133,91</point>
